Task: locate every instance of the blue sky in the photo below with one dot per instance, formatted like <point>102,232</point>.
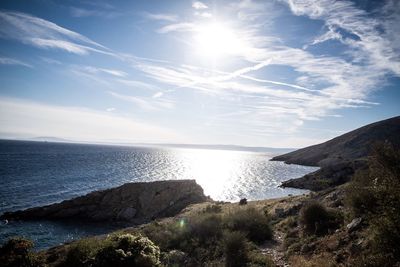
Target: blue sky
<point>279,73</point>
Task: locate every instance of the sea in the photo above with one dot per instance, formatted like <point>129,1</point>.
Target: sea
<point>41,173</point>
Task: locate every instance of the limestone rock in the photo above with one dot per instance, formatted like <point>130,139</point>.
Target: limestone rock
<point>132,202</point>
<point>355,223</point>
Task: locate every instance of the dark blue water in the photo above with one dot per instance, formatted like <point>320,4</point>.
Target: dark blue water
<point>39,173</point>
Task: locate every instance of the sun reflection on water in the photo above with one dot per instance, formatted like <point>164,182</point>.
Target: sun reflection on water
<point>214,170</point>
<point>230,175</point>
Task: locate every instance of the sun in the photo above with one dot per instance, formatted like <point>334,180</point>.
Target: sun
<point>215,40</point>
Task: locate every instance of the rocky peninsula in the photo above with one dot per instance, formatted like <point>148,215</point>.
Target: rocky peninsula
<point>131,202</point>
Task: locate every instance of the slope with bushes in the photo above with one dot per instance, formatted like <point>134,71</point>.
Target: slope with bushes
<point>342,156</point>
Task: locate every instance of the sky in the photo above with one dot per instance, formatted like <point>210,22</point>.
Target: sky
<point>277,73</point>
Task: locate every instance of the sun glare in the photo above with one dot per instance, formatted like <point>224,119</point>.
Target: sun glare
<point>214,170</point>
<point>214,40</point>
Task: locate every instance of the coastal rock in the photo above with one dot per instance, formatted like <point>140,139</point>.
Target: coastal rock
<point>131,202</point>
<point>326,177</point>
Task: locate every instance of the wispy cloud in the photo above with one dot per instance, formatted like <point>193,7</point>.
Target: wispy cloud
<point>45,34</point>
<point>199,5</point>
<point>158,95</point>
<point>146,103</point>
<point>117,73</point>
<point>370,44</point>
<point>160,16</point>
<point>13,61</point>
<point>80,12</point>
<point>138,84</point>
<point>50,60</point>
<point>177,27</point>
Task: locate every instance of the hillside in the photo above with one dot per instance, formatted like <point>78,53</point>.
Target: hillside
<point>340,156</point>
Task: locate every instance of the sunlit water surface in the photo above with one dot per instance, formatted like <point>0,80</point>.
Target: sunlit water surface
<point>37,173</point>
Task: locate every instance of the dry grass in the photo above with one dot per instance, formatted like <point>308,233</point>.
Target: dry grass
<point>323,260</point>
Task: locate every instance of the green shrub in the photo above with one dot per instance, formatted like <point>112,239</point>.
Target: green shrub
<point>386,238</point>
<point>201,235</point>
<point>120,250</point>
<point>257,259</point>
<point>316,219</point>
<point>375,195</point>
<point>128,250</point>
<point>213,208</point>
<point>235,249</point>
<point>16,252</point>
<point>175,258</point>
<point>359,195</point>
<point>252,222</point>
<point>206,228</point>
<point>166,235</point>
<point>82,252</point>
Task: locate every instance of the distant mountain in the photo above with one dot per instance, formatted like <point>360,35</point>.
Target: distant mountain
<point>272,150</point>
<point>341,156</point>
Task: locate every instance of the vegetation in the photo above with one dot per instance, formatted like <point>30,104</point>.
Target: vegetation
<point>117,251</point>
<point>318,220</point>
<point>128,250</point>
<point>235,249</point>
<point>375,195</point>
<point>214,234</point>
<point>251,222</point>
<point>16,252</point>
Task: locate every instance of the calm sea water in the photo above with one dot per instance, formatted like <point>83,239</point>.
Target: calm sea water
<point>39,173</point>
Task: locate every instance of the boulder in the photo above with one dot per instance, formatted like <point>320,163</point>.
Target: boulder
<point>355,223</point>
<point>131,202</point>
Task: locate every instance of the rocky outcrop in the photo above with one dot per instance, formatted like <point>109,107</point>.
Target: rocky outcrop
<point>340,157</point>
<point>131,202</point>
<point>326,177</point>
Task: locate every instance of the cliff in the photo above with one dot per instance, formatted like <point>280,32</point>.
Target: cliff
<point>340,157</point>
<point>131,202</point>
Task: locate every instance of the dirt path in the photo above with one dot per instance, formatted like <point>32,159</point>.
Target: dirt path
<point>274,248</point>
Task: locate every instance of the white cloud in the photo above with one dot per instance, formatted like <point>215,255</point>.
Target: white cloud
<point>160,16</point>
<point>138,84</point>
<point>203,14</point>
<point>60,44</point>
<point>35,119</point>
<point>199,5</point>
<point>45,34</point>
<point>145,103</point>
<point>13,61</point>
<point>331,34</point>
<point>158,95</point>
<point>113,72</point>
<point>177,27</point>
<point>80,12</point>
<point>50,60</point>
<point>372,46</point>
